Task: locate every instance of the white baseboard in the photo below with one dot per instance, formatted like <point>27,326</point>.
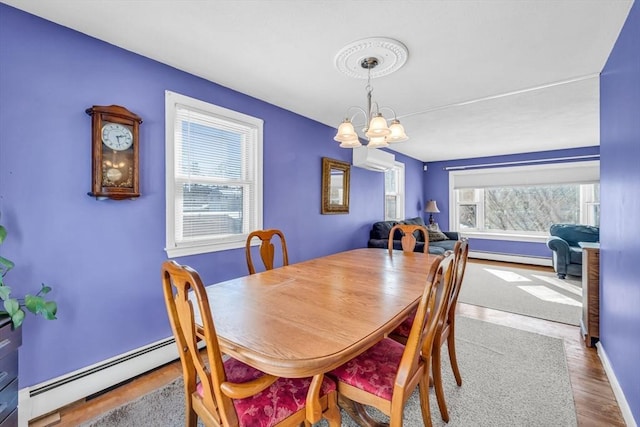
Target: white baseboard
<point>43,398</point>
<point>520,259</point>
<point>615,385</point>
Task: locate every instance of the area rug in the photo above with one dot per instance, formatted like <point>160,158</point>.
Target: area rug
<point>523,291</point>
<point>509,378</point>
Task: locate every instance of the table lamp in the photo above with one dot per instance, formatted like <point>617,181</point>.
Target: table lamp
<point>432,207</point>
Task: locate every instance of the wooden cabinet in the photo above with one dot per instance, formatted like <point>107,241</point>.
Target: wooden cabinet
<point>10,340</point>
<point>590,322</point>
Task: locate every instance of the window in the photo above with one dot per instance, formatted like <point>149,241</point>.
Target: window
<point>394,193</point>
<point>523,202</point>
<point>213,176</point>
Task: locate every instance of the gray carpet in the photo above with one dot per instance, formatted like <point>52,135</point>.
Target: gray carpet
<point>510,378</point>
<point>523,291</point>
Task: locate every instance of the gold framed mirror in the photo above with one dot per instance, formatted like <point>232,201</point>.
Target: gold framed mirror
<point>335,186</point>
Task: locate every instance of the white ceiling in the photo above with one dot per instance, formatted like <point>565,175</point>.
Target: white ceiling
<point>484,77</point>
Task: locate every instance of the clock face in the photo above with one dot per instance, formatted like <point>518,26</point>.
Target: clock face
<point>116,136</point>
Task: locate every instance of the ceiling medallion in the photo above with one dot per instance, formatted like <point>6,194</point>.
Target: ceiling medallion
<point>391,56</point>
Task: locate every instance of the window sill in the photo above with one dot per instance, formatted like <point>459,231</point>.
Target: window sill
<point>195,249</point>
<point>504,236</point>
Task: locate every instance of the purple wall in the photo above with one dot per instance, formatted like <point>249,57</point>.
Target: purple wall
<point>103,258</point>
<point>437,187</point>
<point>620,197</point>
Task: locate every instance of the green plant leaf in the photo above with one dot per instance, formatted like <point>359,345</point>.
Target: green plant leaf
<point>34,304</point>
<point>5,291</point>
<point>12,306</point>
<point>3,233</point>
<point>50,310</point>
<point>6,265</point>
<point>17,318</point>
<point>44,290</point>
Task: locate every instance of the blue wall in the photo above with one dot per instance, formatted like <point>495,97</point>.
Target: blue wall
<point>103,258</point>
<point>437,188</point>
<point>620,197</point>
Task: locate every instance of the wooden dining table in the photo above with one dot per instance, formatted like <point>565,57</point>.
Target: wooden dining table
<point>305,319</point>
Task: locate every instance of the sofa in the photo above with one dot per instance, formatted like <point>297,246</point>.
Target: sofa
<point>567,253</point>
<point>439,241</point>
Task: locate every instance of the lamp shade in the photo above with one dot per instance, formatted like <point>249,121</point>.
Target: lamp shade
<point>377,142</point>
<point>350,143</point>
<point>346,132</point>
<point>432,207</point>
<point>397,132</point>
<point>377,127</point>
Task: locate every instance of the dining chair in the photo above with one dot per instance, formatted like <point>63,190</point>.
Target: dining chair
<point>385,375</point>
<point>228,392</point>
<point>446,331</point>
<point>267,248</point>
<point>408,239</point>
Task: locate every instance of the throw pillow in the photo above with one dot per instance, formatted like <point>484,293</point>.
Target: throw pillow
<point>437,236</point>
<point>433,227</point>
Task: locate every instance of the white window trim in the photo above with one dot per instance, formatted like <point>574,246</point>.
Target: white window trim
<point>401,193</point>
<point>585,172</point>
<point>172,248</point>
<point>503,236</point>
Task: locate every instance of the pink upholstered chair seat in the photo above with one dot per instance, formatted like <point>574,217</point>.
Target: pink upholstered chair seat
<point>275,403</point>
<point>374,371</point>
<point>405,327</point>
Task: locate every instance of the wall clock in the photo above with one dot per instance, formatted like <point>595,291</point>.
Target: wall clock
<point>115,152</point>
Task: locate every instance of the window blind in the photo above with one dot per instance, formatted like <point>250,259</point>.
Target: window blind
<point>557,173</point>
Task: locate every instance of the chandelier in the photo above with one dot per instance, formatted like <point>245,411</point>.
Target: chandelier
<point>378,130</point>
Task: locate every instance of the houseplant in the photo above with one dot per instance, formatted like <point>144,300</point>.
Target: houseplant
<point>14,307</point>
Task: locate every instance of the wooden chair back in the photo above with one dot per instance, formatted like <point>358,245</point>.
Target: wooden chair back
<point>182,288</point>
<point>416,359</point>
<point>461,254</point>
<point>409,240</point>
<point>203,369</point>
<point>429,314</point>
<point>267,248</point>
<point>446,331</point>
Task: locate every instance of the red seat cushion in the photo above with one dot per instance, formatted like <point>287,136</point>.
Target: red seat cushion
<point>272,405</point>
<point>374,371</point>
<point>405,327</point>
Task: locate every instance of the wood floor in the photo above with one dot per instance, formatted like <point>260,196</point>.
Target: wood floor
<point>595,403</point>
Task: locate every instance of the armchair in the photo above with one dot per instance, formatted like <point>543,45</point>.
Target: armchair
<point>567,253</point>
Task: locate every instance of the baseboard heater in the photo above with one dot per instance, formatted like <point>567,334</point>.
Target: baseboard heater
<point>520,259</point>
<point>41,399</point>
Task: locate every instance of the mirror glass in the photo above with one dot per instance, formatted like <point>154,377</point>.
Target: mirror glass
<point>335,186</point>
